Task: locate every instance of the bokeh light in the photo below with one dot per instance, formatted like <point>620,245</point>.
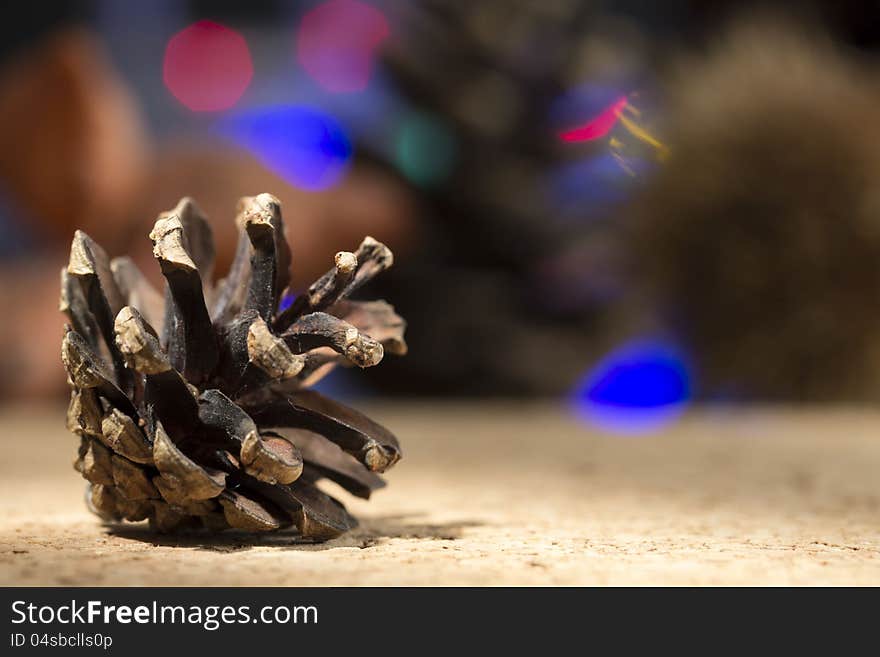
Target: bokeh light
<point>336,44</point>
<point>582,103</point>
<point>633,140</point>
<point>637,388</point>
<point>425,149</point>
<point>591,183</point>
<point>598,126</point>
<point>207,67</point>
<point>307,147</point>
<point>286,301</point>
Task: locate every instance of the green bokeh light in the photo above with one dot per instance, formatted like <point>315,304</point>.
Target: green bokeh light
<point>425,150</point>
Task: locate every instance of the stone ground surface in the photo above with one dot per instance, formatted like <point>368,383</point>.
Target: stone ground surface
<point>503,494</point>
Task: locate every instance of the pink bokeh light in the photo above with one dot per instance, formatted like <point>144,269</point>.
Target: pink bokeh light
<point>207,67</point>
<point>598,126</point>
<point>336,44</point>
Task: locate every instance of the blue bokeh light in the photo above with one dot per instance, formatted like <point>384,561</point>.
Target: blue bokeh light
<point>579,104</point>
<point>599,179</point>
<point>638,388</point>
<point>286,301</point>
<point>305,146</point>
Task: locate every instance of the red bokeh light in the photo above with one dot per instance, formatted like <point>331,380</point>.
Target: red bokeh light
<point>336,43</point>
<point>207,66</point>
<point>598,126</point>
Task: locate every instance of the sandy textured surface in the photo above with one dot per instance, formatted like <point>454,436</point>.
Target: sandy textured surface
<point>491,494</point>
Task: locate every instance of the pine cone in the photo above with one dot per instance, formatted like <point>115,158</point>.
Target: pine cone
<point>211,425</point>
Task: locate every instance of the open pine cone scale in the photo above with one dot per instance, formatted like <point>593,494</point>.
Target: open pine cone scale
<point>209,424</point>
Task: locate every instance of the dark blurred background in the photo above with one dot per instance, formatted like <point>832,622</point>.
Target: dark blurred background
<point>630,205</point>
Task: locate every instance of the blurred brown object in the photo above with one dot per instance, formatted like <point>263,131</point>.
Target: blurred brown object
<point>72,154</point>
<point>72,145</point>
<point>759,240</point>
<point>30,325</point>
